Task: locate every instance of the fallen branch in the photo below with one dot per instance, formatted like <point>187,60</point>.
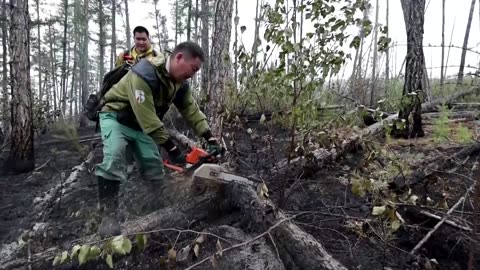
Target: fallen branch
<point>244,243</point>
<point>449,212</point>
<point>298,249</point>
<point>449,222</point>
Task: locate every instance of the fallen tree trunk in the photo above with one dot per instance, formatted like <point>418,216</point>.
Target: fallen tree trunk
<point>185,214</point>
<point>298,249</point>
<point>322,156</point>
<point>435,104</point>
<point>471,115</point>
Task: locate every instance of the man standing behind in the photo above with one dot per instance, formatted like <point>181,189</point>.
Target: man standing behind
<point>142,48</point>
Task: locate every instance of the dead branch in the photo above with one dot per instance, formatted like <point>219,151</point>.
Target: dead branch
<point>449,212</point>
<point>449,222</point>
<point>295,245</point>
<point>244,243</point>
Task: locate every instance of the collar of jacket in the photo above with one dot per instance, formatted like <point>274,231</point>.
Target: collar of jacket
<point>136,54</point>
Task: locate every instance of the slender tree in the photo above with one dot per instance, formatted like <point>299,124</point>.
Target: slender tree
<point>205,46</point>
<point>443,44</point>
<point>21,158</point>
<point>387,51</point>
<point>465,44</point>
<point>127,30</point>
<point>5,107</point>
<point>375,54</point>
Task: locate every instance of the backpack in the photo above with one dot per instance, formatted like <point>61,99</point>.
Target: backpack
<point>95,101</point>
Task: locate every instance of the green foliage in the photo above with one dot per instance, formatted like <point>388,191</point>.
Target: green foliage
<point>464,134</point>
<point>441,130</point>
<point>295,81</point>
<point>119,245</point>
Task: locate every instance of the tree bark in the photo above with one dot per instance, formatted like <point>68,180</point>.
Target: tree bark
<point>256,39</point>
<point>443,44</point>
<point>374,66</point>
<point>298,249</point>
<point>102,41</point>
<point>414,87</point>
<point>39,45</point>
<point>113,47</point>
<point>64,58</point>
<point>5,107</point>
<point>127,19</point>
<point>22,158</point>
<point>84,60</point>
<point>219,70</point>
<point>205,47</point>
<point>387,51</point>
<point>465,44</point>
<point>189,20</point>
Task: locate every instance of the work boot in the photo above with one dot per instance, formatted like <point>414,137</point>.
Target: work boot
<point>108,195</point>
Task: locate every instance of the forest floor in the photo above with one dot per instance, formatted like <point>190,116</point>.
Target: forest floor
<point>333,203</point>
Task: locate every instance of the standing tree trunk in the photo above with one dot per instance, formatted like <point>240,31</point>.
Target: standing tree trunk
<point>157,23</point>
<point>84,61</point>
<point>387,51</point>
<point>53,66</point>
<point>40,93</point>
<point>235,46</point>
<point>375,54</point>
<point>189,19</point>
<point>465,44</point>
<point>22,158</point>
<point>443,44</point>
<point>196,21</point>
<point>113,46</point>
<point>413,89</point>
<point>5,107</point>
<point>64,59</point>
<point>205,47</point>
<point>219,71</point>
<point>256,39</point>
<point>127,19</point>
<point>102,41</point>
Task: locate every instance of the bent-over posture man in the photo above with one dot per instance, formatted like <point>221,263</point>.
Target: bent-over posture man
<point>133,113</point>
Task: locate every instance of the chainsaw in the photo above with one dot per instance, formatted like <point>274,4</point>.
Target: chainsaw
<point>202,167</point>
<point>194,159</point>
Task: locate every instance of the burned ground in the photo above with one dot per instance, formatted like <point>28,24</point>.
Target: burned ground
<point>324,202</point>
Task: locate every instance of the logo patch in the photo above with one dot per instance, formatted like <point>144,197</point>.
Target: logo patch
<point>139,96</point>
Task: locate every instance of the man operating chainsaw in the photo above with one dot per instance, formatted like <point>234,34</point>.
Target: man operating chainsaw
<point>132,113</point>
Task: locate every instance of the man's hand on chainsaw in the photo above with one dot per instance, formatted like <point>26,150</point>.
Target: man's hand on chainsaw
<point>175,155</point>
<point>212,144</point>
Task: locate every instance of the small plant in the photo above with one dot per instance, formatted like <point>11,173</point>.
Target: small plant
<point>464,135</point>
<point>441,130</point>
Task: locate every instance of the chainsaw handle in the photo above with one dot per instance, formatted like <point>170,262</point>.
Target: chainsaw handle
<point>171,166</point>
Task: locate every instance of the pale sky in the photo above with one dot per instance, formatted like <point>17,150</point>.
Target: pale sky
<point>456,16</point>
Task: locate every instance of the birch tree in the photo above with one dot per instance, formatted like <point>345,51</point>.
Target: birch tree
<point>5,78</point>
<point>21,158</point>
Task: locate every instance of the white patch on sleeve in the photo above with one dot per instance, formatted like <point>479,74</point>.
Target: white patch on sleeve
<point>140,96</point>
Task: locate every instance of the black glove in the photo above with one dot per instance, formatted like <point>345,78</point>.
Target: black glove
<point>175,155</point>
<point>212,144</point>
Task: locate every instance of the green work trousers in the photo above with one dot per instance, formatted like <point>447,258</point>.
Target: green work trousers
<point>116,137</point>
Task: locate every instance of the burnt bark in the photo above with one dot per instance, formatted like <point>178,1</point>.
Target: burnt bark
<point>465,43</point>
<point>414,87</point>
<point>219,70</point>
<point>4,65</point>
<point>205,44</point>
<point>21,157</point>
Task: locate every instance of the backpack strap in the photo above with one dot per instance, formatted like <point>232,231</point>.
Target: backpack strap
<point>145,70</point>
